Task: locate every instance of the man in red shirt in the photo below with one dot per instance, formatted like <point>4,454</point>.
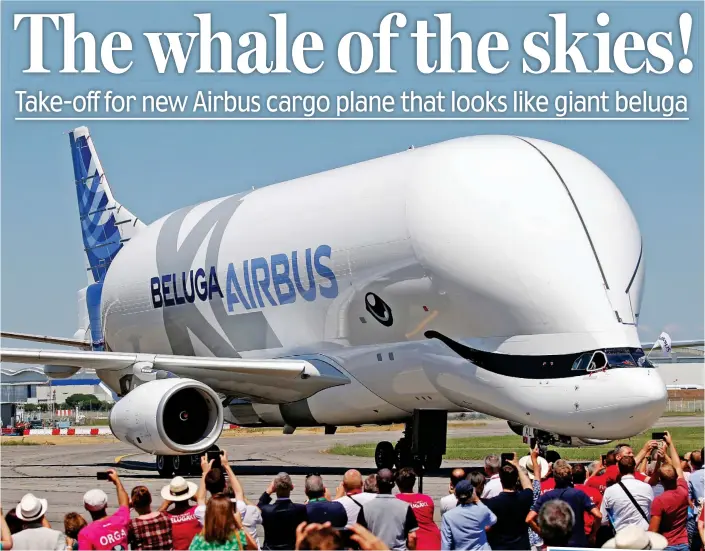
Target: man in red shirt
<point>598,479</point>
<point>549,483</point>
<point>428,535</point>
<point>622,450</point>
<point>184,524</point>
<point>579,476</point>
<point>669,511</point>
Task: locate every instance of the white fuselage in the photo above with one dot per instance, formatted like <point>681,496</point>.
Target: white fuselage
<point>515,247</point>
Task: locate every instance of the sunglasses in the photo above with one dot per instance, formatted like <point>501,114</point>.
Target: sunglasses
<point>309,475</point>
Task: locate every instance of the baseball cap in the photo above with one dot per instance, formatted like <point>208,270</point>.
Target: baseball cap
<point>464,489</point>
<point>95,500</point>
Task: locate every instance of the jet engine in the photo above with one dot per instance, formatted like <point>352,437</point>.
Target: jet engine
<point>558,440</point>
<point>169,417</point>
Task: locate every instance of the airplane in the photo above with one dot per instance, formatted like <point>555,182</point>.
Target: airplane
<point>498,274</point>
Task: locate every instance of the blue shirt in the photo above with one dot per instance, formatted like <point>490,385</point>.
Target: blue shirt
<point>579,502</point>
<point>464,527</point>
<point>696,489</point>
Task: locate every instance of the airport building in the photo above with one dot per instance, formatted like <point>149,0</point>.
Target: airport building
<point>31,385</point>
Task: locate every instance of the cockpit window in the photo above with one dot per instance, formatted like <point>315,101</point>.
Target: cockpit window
<point>598,361</point>
<point>581,363</point>
<point>640,358</point>
<point>611,358</point>
<point>620,358</point>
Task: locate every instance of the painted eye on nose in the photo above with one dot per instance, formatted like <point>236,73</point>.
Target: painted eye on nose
<point>379,309</point>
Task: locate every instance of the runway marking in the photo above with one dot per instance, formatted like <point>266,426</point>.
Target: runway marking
<point>119,458</point>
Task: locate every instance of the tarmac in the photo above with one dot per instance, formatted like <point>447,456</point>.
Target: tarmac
<point>62,473</point>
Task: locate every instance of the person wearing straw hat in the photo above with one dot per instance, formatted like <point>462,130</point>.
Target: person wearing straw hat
<point>37,534</point>
<point>184,524</point>
<point>634,537</point>
<point>527,464</point>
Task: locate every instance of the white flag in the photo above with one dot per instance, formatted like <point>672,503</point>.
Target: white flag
<point>664,341</point>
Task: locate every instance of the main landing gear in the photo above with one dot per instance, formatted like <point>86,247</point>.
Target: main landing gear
<point>172,465</point>
<point>427,457</point>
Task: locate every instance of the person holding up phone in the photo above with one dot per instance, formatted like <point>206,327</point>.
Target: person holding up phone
<point>213,481</point>
<point>106,532</point>
<point>669,511</point>
<point>511,507</point>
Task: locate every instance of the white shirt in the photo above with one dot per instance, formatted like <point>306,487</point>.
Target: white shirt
<point>620,509</point>
<point>447,503</point>
<point>493,487</point>
<point>352,508</point>
<point>251,518</point>
<point>39,538</point>
<point>200,511</point>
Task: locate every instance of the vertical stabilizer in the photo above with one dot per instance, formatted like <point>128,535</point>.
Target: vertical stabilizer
<point>105,224</point>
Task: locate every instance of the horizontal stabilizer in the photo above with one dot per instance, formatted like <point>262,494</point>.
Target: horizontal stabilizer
<point>675,344</point>
<point>46,339</point>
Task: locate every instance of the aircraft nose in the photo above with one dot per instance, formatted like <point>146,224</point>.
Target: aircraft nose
<point>650,396</point>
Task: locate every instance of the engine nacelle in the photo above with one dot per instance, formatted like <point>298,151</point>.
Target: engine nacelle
<point>558,440</point>
<point>169,417</point>
<point>60,371</point>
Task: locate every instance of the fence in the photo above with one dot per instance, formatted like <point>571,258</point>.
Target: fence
<point>85,417</point>
<point>685,406</point>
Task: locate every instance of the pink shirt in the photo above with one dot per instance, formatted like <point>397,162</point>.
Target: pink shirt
<point>107,533</point>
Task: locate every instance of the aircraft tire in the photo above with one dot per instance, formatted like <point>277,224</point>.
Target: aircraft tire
<point>385,455</point>
<point>403,457</point>
<point>165,465</point>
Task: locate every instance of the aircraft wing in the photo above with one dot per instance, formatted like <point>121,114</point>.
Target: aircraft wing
<point>46,339</point>
<point>275,380</point>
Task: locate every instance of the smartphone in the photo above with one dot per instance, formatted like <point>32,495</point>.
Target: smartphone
<point>507,457</point>
<point>215,456</point>
<point>604,458</point>
<point>102,475</point>
<point>658,435</point>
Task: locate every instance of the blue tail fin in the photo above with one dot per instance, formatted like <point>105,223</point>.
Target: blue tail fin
<point>105,224</point>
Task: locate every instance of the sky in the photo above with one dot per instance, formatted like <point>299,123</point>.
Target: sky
<point>155,167</point>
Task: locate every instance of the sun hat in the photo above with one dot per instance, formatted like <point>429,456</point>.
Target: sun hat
<point>179,489</point>
<point>31,508</point>
<point>95,500</point>
<point>633,537</point>
<point>525,463</point>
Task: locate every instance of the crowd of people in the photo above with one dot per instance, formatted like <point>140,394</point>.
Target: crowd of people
<point>651,500</point>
